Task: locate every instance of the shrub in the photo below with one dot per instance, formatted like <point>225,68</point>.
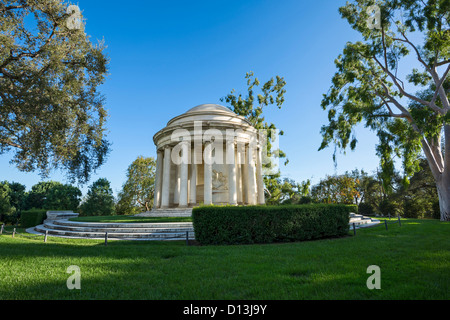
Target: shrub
<point>32,217</point>
<point>10,217</point>
<point>267,224</point>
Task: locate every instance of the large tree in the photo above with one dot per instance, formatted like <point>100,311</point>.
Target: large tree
<point>138,191</point>
<point>51,113</point>
<point>409,111</point>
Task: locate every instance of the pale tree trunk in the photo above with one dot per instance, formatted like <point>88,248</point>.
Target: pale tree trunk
<point>443,185</point>
<point>443,189</point>
<point>440,167</point>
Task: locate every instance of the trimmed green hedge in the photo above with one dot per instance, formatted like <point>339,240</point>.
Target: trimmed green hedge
<point>267,224</point>
<point>32,217</point>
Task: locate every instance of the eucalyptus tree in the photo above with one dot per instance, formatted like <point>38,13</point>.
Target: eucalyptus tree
<point>409,111</point>
<point>251,105</point>
<point>51,112</point>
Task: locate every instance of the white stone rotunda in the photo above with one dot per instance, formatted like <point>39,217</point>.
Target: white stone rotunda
<point>208,155</point>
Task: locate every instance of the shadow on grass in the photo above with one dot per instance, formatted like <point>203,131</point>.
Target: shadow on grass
<point>414,261</point>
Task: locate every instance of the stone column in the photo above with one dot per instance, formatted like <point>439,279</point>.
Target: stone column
<point>251,180</point>
<point>183,201</point>
<point>231,163</point>
<point>238,175</point>
<point>193,178</point>
<point>158,179</point>
<point>176,189</point>
<point>259,177</point>
<point>208,174</point>
<point>244,175</point>
<point>166,179</point>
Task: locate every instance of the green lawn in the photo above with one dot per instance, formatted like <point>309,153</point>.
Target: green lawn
<point>414,260</point>
<point>132,219</point>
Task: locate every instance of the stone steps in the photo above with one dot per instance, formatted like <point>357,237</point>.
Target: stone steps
<point>116,231</point>
<point>169,212</point>
<point>68,223</point>
<point>361,221</point>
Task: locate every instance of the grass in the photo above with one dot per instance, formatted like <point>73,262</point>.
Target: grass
<point>414,260</point>
<point>131,219</point>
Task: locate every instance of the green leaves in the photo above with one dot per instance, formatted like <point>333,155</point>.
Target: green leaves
<point>52,195</point>
<point>99,200</point>
<point>272,92</point>
<point>252,108</point>
<point>138,191</point>
<point>51,113</point>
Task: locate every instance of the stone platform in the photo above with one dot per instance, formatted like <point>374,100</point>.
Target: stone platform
<point>169,212</point>
<point>56,215</point>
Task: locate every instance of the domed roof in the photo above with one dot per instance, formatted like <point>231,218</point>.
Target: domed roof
<point>208,116</point>
<point>209,107</point>
<point>208,112</point>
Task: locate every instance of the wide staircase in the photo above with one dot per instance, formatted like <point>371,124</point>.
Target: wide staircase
<point>62,227</point>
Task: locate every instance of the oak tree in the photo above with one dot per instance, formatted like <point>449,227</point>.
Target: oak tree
<point>51,112</point>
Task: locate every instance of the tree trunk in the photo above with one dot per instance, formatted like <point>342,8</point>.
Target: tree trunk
<point>440,167</point>
<point>443,188</point>
<point>443,184</point>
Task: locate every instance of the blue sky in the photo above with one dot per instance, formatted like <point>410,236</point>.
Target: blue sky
<point>169,56</point>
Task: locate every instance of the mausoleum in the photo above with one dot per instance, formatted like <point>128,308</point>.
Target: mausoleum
<point>208,155</point>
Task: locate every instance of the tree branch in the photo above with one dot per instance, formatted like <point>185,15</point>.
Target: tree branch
<point>434,166</point>
<point>29,54</point>
<point>403,92</point>
<point>419,57</point>
<point>439,87</point>
<point>4,9</point>
<point>10,143</point>
<point>391,114</point>
<point>442,63</point>
<point>435,146</point>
